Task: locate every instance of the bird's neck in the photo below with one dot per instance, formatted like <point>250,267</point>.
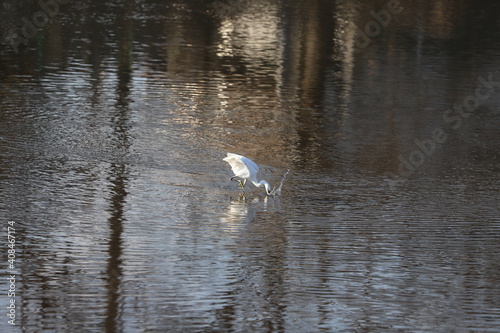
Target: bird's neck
<point>261,183</point>
<point>265,184</point>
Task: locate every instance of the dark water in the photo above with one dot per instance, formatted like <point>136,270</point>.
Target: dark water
<point>115,117</point>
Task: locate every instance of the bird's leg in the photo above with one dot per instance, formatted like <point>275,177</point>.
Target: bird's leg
<point>242,185</point>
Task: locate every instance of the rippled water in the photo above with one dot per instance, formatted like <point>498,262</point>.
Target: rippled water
<point>115,117</point>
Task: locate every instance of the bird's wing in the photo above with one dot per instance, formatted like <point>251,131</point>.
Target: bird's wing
<point>252,167</point>
<point>237,163</point>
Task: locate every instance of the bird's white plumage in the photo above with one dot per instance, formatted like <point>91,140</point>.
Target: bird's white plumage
<point>246,169</point>
<point>242,166</point>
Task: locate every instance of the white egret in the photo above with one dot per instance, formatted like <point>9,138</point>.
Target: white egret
<point>245,169</point>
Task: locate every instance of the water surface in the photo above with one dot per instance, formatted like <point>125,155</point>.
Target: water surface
<point>115,118</point>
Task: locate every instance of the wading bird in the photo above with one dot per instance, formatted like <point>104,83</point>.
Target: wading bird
<point>245,169</point>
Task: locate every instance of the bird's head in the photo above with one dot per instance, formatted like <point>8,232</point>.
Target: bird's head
<point>267,187</point>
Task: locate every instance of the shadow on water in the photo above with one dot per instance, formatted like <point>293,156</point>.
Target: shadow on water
<point>118,174</point>
<point>114,271</point>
